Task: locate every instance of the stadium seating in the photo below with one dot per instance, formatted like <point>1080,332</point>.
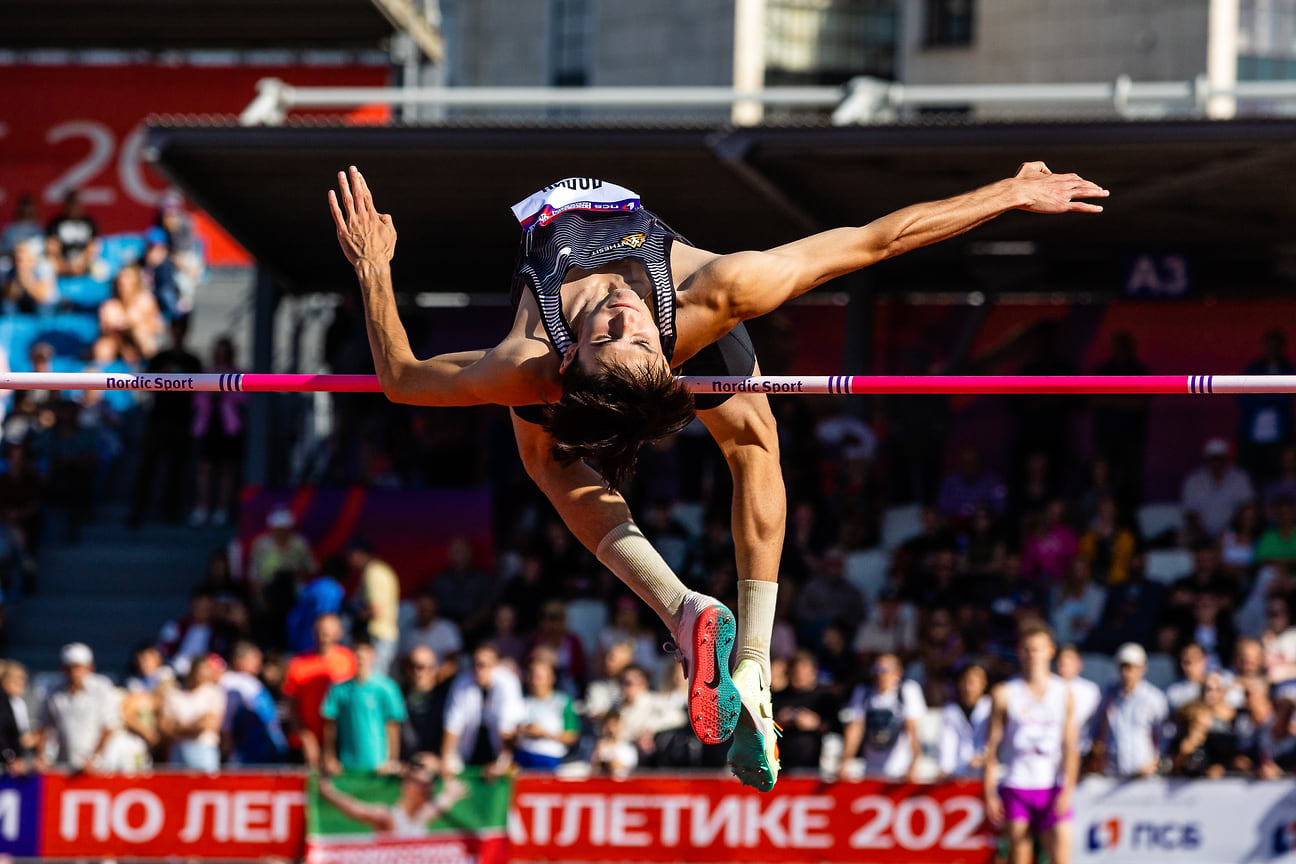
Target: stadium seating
<point>867,570</point>
<point>83,292</point>
<point>900,524</point>
<point>587,618</point>
<point>1100,669</point>
<point>1155,520</point>
<point>118,250</point>
<point>1167,565</point>
<point>1162,670</point>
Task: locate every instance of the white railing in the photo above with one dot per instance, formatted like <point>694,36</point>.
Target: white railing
<point>863,100</point>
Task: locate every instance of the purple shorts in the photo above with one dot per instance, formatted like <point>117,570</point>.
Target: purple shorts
<point>1037,807</point>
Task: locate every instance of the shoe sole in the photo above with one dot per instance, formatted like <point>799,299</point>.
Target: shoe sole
<point>748,759</point>
<point>714,703</point>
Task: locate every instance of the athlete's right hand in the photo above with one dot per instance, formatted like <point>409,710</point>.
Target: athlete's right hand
<point>365,235</point>
<point>994,808</point>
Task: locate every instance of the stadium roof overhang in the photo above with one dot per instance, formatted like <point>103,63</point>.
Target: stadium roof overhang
<point>168,25</point>
<point>1220,192</point>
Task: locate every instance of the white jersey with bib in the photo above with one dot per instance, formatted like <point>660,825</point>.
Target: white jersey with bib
<point>1034,730</point>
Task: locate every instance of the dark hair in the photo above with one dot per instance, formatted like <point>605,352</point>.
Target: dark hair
<point>606,414</point>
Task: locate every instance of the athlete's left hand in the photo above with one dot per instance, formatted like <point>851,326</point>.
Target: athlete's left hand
<point>1062,805</point>
<point>1046,192</point>
<point>365,235</point>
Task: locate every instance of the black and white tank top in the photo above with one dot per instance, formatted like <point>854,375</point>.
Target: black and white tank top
<point>587,223</point>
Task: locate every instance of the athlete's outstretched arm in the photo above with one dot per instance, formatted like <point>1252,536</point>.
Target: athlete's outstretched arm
<point>375,816</point>
<point>733,288</point>
<point>368,239</point>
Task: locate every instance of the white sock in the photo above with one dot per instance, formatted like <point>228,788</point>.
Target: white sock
<point>627,553</point>
<point>756,602</point>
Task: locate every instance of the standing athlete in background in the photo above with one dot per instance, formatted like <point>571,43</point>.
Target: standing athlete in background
<point>608,300</point>
<point>1034,717</point>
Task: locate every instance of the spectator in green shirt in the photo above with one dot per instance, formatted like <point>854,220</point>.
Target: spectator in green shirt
<point>550,726</point>
<point>1279,542</point>
<point>362,720</point>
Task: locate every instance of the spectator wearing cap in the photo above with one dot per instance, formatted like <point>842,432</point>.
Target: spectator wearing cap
<point>1212,493</point>
<point>77,720</point>
<point>307,682</point>
<point>1130,720</point>
<point>362,719</point>
<point>162,273</point>
<point>280,548</point>
<point>72,237</point>
<point>429,630</point>
<point>378,602</point>
<point>191,716</point>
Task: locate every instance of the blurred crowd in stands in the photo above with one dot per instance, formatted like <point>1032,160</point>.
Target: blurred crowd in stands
<point>894,618</point>
<point>1176,621</point>
<point>75,300</point>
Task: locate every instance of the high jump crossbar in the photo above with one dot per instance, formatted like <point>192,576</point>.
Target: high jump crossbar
<point>253,382</point>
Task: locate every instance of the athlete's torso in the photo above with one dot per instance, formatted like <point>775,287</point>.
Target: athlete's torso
<point>1033,734</point>
<point>583,226</point>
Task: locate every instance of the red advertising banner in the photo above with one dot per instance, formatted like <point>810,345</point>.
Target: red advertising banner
<point>713,819</point>
<point>71,126</point>
<point>226,817</point>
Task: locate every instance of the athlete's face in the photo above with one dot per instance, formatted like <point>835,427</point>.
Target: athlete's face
<point>1036,652</point>
<point>620,329</point>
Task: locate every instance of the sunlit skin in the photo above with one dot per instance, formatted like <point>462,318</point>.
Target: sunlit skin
<point>619,329</point>
<point>1035,653</point>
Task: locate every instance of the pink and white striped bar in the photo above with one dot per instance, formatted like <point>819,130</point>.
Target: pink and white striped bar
<point>253,382</point>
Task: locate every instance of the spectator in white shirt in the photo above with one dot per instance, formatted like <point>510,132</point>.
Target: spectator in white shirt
<point>483,710</point>
<point>1131,719</point>
<point>645,712</point>
<point>1212,493</point>
<point>882,723</point>
<point>963,726</point>
<point>1279,640</point>
<point>1085,694</point>
<point>191,716</point>
<point>79,718</point>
